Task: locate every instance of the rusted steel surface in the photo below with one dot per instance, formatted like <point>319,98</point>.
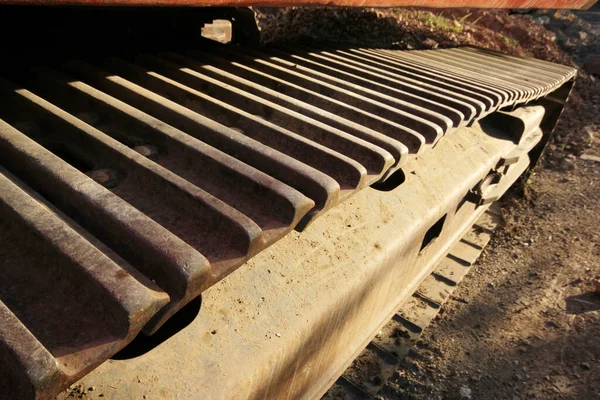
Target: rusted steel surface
<point>571,4</point>
<point>132,184</point>
<point>289,322</point>
<point>62,290</point>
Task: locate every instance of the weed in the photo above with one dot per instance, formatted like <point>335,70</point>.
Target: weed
<point>439,22</point>
<point>464,18</point>
<point>510,40</point>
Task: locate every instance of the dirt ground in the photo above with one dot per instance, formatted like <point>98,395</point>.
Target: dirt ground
<point>526,322</point>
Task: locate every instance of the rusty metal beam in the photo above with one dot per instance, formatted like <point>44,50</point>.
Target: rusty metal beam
<point>568,4</point>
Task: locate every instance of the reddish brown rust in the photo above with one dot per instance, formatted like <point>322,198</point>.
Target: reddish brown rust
<point>571,4</point>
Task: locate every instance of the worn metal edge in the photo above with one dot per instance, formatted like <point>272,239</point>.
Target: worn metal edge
<point>491,220</point>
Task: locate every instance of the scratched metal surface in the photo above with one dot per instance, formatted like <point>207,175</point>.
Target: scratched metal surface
<point>132,184</point>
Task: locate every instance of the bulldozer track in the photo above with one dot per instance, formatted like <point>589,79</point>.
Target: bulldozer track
<point>384,354</point>
<point>133,183</point>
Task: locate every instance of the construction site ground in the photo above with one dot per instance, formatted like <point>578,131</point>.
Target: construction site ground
<point>525,324</point>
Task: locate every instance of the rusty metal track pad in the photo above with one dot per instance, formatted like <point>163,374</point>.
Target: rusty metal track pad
<point>131,184</point>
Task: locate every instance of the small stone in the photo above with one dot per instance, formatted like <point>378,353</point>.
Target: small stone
<point>278,335</point>
<point>92,388</point>
<point>590,157</point>
<point>586,366</point>
<point>465,392</point>
<point>542,20</point>
<point>430,44</point>
<point>147,151</point>
<point>106,177</point>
